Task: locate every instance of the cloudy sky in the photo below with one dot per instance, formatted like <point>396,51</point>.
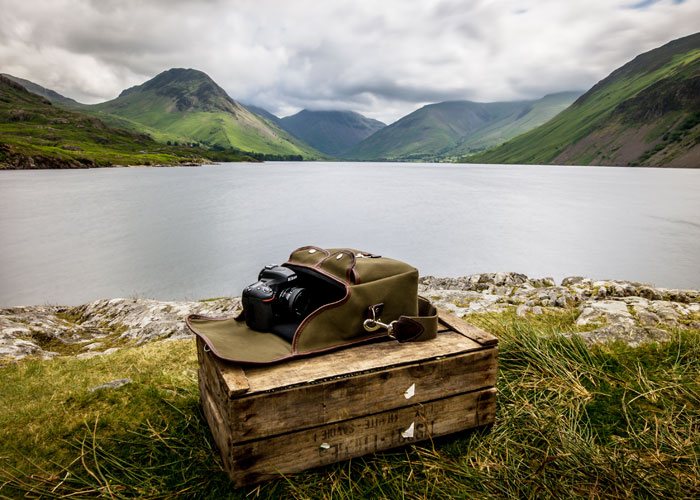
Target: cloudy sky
<point>381,58</point>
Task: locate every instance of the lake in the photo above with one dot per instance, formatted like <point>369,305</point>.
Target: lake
<point>73,236</point>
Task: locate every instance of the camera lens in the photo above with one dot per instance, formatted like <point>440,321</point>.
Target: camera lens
<point>297,300</point>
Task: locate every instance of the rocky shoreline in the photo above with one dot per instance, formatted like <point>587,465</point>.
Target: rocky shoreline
<point>613,310</point>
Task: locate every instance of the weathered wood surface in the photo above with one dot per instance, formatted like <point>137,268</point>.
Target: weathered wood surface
<point>466,329</point>
<point>219,421</point>
<point>267,414</point>
<point>264,459</point>
<point>351,360</point>
<point>230,378</point>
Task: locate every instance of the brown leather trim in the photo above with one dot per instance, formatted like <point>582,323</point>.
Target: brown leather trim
<point>407,329</point>
<point>349,270</point>
<point>375,311</point>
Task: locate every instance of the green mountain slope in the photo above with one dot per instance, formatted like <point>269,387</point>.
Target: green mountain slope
<point>49,94</point>
<point>535,114</point>
<point>647,112</point>
<point>185,105</point>
<point>36,134</point>
<point>451,129</point>
<point>331,132</point>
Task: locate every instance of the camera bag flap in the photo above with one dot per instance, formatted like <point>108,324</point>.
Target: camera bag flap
<point>380,299</point>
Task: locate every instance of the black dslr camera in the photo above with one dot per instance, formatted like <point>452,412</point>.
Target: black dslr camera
<point>274,300</point>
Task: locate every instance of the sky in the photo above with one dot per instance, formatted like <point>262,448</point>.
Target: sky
<point>381,58</point>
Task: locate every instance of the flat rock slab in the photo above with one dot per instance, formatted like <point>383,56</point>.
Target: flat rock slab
<point>111,385</point>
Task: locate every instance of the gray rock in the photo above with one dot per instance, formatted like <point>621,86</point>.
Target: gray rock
<point>605,311</point>
<point>632,336</point>
<point>93,354</point>
<point>561,301</point>
<point>648,318</point>
<point>111,385</point>
<point>25,331</point>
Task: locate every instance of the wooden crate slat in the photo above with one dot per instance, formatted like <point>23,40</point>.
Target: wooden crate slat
<point>466,329</point>
<point>219,422</point>
<point>353,360</point>
<point>342,398</point>
<point>264,459</point>
<point>229,379</point>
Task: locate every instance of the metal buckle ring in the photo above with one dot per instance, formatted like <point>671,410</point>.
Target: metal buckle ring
<point>372,325</point>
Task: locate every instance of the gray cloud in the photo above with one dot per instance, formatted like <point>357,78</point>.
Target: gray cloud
<point>383,59</point>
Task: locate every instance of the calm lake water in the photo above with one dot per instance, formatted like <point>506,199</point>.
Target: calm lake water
<point>68,237</point>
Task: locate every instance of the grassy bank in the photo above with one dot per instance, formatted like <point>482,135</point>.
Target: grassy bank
<point>607,421</point>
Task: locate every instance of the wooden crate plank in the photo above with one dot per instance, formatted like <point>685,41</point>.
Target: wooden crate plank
<point>353,360</point>
<point>230,378</point>
<point>466,329</point>
<point>273,413</point>
<point>218,422</point>
<point>265,459</point>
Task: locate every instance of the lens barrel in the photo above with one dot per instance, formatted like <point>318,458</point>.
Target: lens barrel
<point>296,301</point>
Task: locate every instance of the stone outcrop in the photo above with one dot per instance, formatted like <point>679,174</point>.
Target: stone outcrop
<point>615,310</point>
<point>606,310</point>
<point>100,327</point>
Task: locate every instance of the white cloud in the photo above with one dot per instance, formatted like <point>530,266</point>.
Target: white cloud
<point>383,59</point>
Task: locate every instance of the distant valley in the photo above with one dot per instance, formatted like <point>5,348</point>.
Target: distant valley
<point>448,130</point>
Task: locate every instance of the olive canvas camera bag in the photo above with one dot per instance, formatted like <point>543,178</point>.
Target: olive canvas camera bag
<point>358,297</point>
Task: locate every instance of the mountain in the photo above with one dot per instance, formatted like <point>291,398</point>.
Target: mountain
<point>186,106</point>
<point>262,112</point>
<point>331,132</point>
<point>49,94</point>
<point>645,113</point>
<point>34,133</point>
<point>451,129</point>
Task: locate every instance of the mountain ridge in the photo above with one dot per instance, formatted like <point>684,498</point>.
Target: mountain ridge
<point>330,131</point>
<point>647,112</point>
<point>34,133</point>
<point>47,93</point>
<point>187,105</point>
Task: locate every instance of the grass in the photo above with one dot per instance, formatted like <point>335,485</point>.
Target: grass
<point>573,421</point>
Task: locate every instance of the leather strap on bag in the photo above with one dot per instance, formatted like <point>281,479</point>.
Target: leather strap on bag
<point>408,328</point>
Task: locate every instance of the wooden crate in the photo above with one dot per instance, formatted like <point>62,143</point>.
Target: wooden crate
<point>308,412</point>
